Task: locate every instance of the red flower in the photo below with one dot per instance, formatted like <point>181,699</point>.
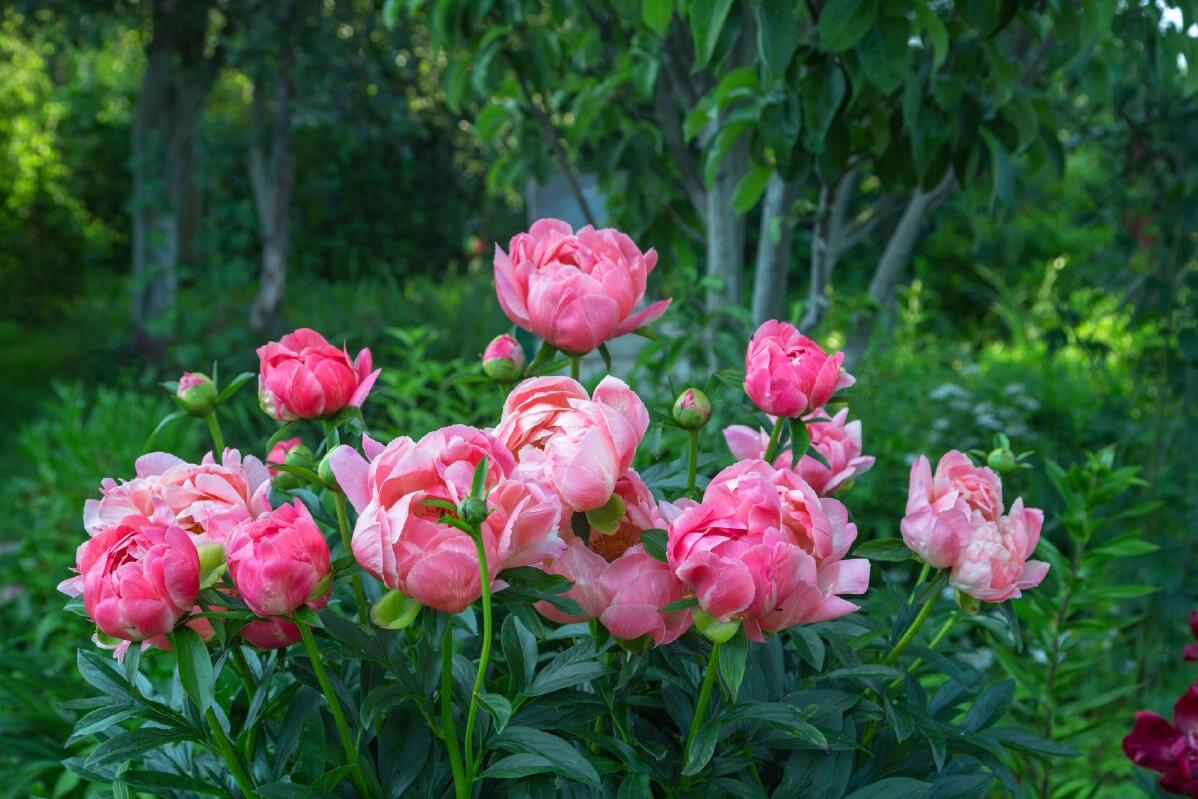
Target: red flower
<point>1171,749</point>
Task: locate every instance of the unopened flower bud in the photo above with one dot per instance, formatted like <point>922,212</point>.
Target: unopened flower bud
<point>692,409</point>
<point>325,472</point>
<point>1002,460</point>
<point>503,360</point>
<point>196,393</point>
<point>714,630</point>
<point>395,611</point>
<point>289,453</point>
<point>606,518</point>
<point>212,563</point>
<point>967,603</point>
<point>474,510</point>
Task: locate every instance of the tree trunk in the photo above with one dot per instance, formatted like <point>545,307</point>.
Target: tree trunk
<point>891,264</point>
<point>773,249</point>
<point>271,169</point>
<point>170,101</point>
<point>827,244</point>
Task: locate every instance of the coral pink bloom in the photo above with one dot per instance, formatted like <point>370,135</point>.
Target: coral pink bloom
<point>302,376</point>
<point>944,509</point>
<point>837,440</point>
<point>138,578</point>
<point>401,540</point>
<point>211,498</point>
<point>278,453</point>
<point>993,566</point>
<point>575,290</point>
<point>278,561</point>
<point>1171,749</point>
<point>579,444</point>
<point>615,581</point>
<point>787,374</point>
<point>764,548</point>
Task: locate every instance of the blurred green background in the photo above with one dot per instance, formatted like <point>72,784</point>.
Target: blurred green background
<point>993,207</point>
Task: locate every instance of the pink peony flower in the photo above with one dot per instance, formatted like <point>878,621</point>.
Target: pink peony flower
<point>211,498</point>
<point>993,566</point>
<point>787,374</point>
<point>1171,749</point>
<point>943,510</point>
<point>272,633</point>
<point>138,578</point>
<point>837,440</point>
<point>278,453</point>
<point>578,444</point>
<point>762,547</point>
<point>400,540</point>
<point>615,581</point>
<point>302,376</point>
<point>279,561</point>
<point>575,290</point>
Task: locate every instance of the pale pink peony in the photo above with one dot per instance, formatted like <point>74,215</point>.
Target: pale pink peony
<point>303,376</point>
<point>278,453</point>
<point>575,290</point>
<point>837,440</point>
<point>279,561</point>
<point>763,548</point>
<point>944,509</point>
<point>994,565</point>
<point>615,581</point>
<point>579,444</point>
<point>401,541</point>
<point>211,498</point>
<point>138,578</point>
<point>787,374</point>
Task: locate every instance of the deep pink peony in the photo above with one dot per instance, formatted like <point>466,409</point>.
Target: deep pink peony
<point>1171,749</point>
<point>575,290</point>
<point>279,561</point>
<point>577,443</point>
<point>764,548</point>
<point>787,374</point>
<point>994,565</point>
<point>138,578</point>
<point>278,453</point>
<point>303,376</point>
<point>401,541</point>
<point>615,581</point>
<point>837,440</point>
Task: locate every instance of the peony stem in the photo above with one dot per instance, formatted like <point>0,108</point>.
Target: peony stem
<point>461,786</point>
<point>229,755</point>
<point>692,469</point>
<point>359,592</point>
<point>484,656</point>
<point>575,366</point>
<point>943,631</point>
<point>713,664</point>
<point>771,449</point>
<point>909,634</point>
<point>218,441</point>
<point>322,677</point>
<point>923,575</point>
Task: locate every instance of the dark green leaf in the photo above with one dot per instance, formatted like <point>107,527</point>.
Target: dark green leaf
<point>782,716</point>
<point>884,549</point>
<point>864,671</point>
<point>681,604</point>
<point>1025,740</point>
<point>750,188</point>
<point>280,434</point>
<point>234,385</point>
<point>777,34</point>
<point>126,745</point>
<point>707,22</point>
<point>514,767</point>
<point>701,748</point>
<point>569,762</point>
<point>884,53</point>
<point>561,674</point>
<point>654,542</point>
<point>809,645</point>
<point>158,428</point>
<point>520,652</point>
<point>656,14</point>
<point>195,666</point>
<point>733,655</point>
<point>892,788</point>
<point>823,90</point>
<point>499,708</point>
<point>990,706</point>
<point>159,783</point>
<point>843,23</point>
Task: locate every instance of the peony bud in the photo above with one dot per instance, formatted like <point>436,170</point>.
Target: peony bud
<point>297,455</point>
<point>474,510</point>
<point>325,472</point>
<point>1002,460</point>
<point>212,563</point>
<point>395,611</point>
<point>692,409</point>
<point>503,360</point>
<point>196,393</point>
<point>714,630</point>
<point>606,519</point>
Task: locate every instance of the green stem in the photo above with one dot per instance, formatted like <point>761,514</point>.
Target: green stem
<point>243,671</point>
<point>943,631</point>
<point>907,637</point>
<point>481,676</point>
<point>356,580</point>
<point>692,468</point>
<point>923,575</point>
<point>347,741</point>
<point>771,449</point>
<point>218,441</point>
<point>461,787</point>
<point>225,748</point>
<point>713,663</point>
<point>575,366</point>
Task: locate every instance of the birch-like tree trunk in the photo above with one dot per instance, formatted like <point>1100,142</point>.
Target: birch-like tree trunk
<point>774,244</point>
<point>271,167</point>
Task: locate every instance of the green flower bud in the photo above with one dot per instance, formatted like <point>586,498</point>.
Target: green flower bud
<point>1002,461</point>
<point>606,519</point>
<point>212,563</point>
<point>473,510</point>
<point>298,455</point>
<point>503,360</point>
<point>395,611</point>
<point>196,393</point>
<point>692,409</point>
<point>325,472</point>
<point>714,630</point>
